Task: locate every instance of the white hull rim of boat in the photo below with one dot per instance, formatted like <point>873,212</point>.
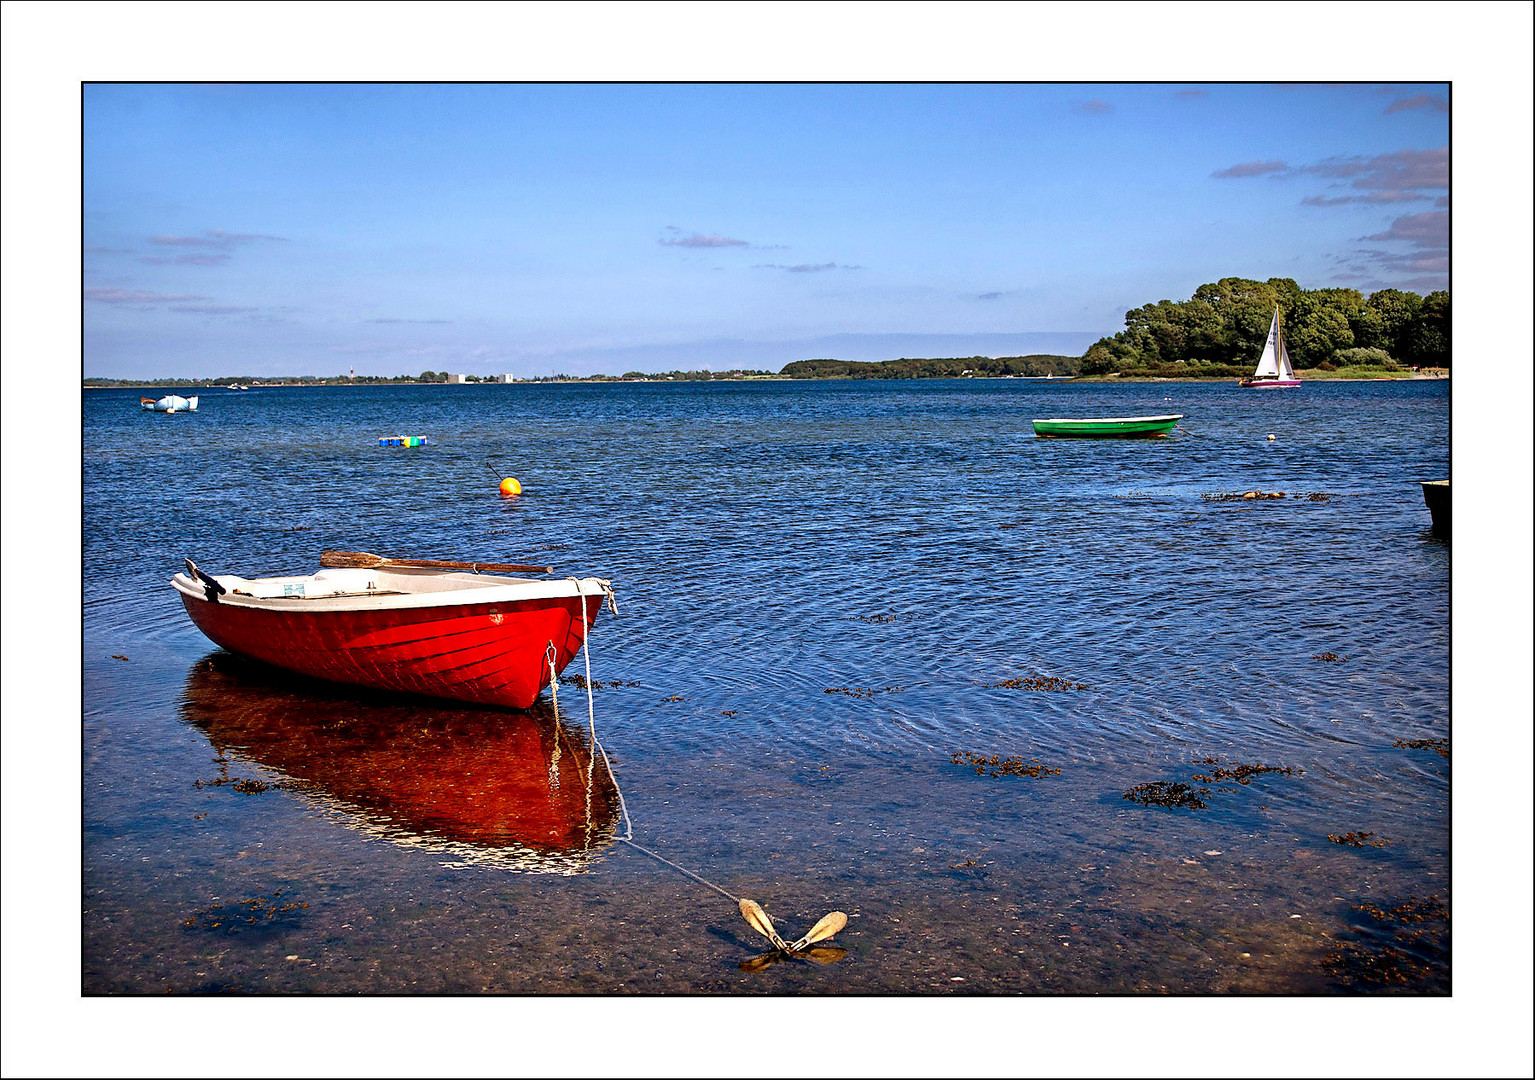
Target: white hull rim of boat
<point>394,588</point>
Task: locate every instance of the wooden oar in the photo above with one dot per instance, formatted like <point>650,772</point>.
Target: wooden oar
<point>368,560</point>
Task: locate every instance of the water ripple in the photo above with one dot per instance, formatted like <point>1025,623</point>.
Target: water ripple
<point>906,547</point>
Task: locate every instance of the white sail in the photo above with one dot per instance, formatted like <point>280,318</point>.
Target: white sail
<point>1285,370</point>
<point>1273,350</point>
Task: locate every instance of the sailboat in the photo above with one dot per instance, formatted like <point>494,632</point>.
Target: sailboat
<point>1274,370</point>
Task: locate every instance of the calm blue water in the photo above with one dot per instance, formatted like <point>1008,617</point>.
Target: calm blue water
<point>821,587</point>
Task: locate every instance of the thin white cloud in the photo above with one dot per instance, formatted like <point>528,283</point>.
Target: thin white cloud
<point>200,259</point>
<point>1251,168</point>
<point>1420,101</point>
<point>1402,176</point>
<point>1404,170</point>
<point>216,238</point>
<point>805,268</point>
<point>1372,197</point>
<point>1427,230</point>
<point>137,297</point>
<point>1426,266</point>
<point>703,240</point>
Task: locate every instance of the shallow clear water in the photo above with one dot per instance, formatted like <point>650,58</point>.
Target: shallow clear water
<point>827,591</point>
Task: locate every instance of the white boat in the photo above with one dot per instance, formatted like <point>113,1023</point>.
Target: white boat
<point>1274,370</point>
<point>169,403</point>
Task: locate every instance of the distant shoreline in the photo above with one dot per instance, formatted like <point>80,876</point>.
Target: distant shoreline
<point>1437,375</point>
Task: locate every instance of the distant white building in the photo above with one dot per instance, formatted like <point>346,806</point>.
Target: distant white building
<point>458,378</point>
<point>506,378</point>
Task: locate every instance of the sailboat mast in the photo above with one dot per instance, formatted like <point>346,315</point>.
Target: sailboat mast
<point>1276,332</point>
<point>1282,355</point>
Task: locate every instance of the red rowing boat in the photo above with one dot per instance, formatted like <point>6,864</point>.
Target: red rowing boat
<point>418,629</point>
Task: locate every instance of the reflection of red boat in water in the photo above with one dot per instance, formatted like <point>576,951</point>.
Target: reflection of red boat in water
<point>521,791</point>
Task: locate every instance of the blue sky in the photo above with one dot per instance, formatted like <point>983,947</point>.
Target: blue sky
<point>270,229</point>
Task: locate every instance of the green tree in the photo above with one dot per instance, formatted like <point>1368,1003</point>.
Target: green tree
<point>1245,309</point>
<point>1426,341</point>
<point>1286,292</point>
<point>1224,324</point>
<point>1359,357</point>
<point>1109,355</point>
<point>1318,327</point>
<point>1386,318</point>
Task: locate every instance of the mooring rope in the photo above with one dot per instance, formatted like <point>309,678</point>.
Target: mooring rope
<point>591,716</point>
<point>1186,431</point>
<point>683,869</point>
<point>554,757</point>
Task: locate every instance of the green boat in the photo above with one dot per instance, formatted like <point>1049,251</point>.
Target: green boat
<point>1108,427</point>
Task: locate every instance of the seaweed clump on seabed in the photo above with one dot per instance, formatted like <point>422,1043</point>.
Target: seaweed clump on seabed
<point>1242,496</point>
<point>1168,793</point>
<point>1404,946</point>
<point>1175,793</point>
<point>1241,774</point>
<point>1363,838</point>
<point>580,682</point>
<point>996,765</point>
<point>1044,682</point>
<point>862,691</point>
<point>257,912</point>
<point>1438,746</point>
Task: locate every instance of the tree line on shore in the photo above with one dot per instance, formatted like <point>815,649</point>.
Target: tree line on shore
<point>1221,329</point>
<point>1034,365</point>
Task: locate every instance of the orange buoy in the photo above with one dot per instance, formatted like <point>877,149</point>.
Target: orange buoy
<point>510,487</point>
